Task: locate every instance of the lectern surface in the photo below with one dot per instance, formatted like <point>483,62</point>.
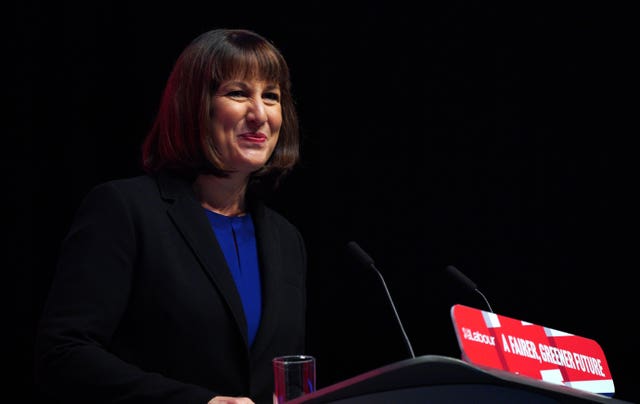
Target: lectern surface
<point>441,379</point>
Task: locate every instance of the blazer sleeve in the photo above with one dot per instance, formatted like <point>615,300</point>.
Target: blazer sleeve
<point>86,301</point>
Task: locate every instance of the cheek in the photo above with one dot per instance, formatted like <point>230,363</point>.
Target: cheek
<point>226,115</point>
<point>228,119</point>
<point>275,120</point>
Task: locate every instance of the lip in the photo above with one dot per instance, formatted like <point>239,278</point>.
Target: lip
<point>255,137</point>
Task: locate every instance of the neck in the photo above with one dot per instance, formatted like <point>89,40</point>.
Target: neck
<point>221,195</point>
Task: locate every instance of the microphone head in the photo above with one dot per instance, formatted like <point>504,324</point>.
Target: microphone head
<point>359,254</point>
<point>455,272</point>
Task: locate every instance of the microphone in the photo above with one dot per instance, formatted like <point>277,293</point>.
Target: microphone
<point>366,261</point>
<point>455,272</point>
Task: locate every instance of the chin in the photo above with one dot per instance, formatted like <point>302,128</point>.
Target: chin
<point>251,166</point>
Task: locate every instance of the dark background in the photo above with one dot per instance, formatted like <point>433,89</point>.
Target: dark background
<point>480,135</point>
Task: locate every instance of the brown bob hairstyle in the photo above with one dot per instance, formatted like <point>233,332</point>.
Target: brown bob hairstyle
<point>179,138</point>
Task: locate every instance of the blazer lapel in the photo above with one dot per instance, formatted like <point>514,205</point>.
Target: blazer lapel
<point>191,220</point>
<point>271,263</point>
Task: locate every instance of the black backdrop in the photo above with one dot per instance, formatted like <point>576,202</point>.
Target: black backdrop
<point>475,135</point>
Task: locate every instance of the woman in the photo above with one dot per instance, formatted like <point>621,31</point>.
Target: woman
<point>180,286</point>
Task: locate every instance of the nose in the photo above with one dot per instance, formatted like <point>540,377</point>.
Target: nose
<point>257,113</point>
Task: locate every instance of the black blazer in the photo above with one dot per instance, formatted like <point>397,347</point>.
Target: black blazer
<point>143,308</point>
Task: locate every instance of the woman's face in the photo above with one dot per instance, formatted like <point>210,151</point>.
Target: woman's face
<point>246,122</point>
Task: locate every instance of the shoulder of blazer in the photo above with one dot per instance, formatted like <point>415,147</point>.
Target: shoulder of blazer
<point>147,188</point>
<point>173,187</point>
<point>265,214</point>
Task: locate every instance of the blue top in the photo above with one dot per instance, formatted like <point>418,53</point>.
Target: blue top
<point>237,238</point>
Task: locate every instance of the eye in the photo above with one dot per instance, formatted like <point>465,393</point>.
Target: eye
<point>236,94</point>
<point>272,97</point>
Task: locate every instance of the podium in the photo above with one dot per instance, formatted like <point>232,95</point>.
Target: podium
<point>441,379</point>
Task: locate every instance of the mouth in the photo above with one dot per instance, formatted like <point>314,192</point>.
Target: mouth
<point>254,137</point>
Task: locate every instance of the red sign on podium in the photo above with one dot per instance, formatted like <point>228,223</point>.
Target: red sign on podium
<point>499,342</point>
